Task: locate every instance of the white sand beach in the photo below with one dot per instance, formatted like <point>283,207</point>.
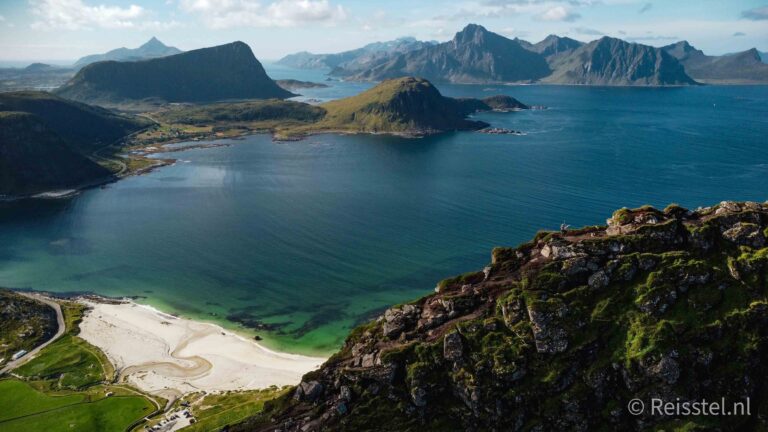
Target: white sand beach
<point>170,356</point>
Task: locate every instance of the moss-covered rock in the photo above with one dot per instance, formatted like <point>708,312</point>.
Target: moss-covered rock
<point>562,332</point>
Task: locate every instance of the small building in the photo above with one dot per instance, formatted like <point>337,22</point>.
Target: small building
<point>18,355</point>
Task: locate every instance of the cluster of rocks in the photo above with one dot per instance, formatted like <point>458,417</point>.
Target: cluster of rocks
<point>500,131</point>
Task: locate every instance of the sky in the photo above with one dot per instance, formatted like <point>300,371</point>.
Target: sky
<point>60,31</point>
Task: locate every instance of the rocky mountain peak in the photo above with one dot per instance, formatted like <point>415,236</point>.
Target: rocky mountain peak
<point>471,34</point>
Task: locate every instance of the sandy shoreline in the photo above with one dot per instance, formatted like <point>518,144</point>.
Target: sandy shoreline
<point>170,356</point>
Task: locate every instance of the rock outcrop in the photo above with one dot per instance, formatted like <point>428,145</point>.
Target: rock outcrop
<point>560,333</point>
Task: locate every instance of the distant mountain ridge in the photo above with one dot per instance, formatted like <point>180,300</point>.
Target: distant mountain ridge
<point>354,59</point>
<point>611,61</point>
<point>474,55</point>
<point>151,49</point>
<point>742,67</point>
<point>555,45</point>
<point>229,71</point>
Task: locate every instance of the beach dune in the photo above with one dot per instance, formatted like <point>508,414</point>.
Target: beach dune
<point>169,356</point>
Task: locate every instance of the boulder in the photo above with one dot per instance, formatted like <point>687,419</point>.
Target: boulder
<point>548,333</point>
<point>745,234</point>
<point>308,391</point>
<point>453,347</point>
<point>419,396</point>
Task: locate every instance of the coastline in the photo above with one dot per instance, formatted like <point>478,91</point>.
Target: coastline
<point>169,356</point>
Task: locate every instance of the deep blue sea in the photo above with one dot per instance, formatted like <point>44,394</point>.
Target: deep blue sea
<point>310,238</point>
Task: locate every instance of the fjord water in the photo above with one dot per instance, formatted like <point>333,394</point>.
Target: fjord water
<point>312,237</point>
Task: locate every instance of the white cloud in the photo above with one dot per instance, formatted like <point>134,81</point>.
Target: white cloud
<point>220,14</point>
<point>75,14</point>
<point>2,18</point>
<point>559,13</point>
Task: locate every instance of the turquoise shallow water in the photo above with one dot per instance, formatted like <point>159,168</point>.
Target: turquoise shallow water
<point>311,237</point>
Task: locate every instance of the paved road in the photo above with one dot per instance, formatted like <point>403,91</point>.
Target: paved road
<point>62,328</point>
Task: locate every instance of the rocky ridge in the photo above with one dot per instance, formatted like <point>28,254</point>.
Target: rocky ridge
<point>561,332</point>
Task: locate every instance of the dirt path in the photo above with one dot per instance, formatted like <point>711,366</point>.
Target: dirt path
<point>30,355</point>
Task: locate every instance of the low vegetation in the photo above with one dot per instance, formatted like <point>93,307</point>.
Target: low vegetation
<point>24,324</point>
<point>217,411</point>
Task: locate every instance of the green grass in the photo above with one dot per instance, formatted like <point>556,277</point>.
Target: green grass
<point>20,399</point>
<point>70,362</point>
<point>27,409</point>
<point>218,410</point>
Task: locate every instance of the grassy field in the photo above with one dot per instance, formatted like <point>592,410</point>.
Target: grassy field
<point>64,388</point>
<point>27,409</point>
<point>215,411</point>
<point>70,362</point>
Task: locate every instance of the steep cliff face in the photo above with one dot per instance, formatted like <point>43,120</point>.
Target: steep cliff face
<point>610,61</point>
<point>475,55</point>
<point>223,72</point>
<point>561,333</point>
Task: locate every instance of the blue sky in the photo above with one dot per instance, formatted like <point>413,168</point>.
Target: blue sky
<point>63,30</point>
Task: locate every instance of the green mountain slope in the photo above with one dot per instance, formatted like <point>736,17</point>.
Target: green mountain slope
<point>561,333</point>
<point>223,72</point>
<point>410,106</point>
<point>87,128</point>
<point>34,158</point>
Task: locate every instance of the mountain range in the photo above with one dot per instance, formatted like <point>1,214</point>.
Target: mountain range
<point>476,55</point>
<point>611,61</point>
<point>742,67</point>
<point>227,71</point>
<point>357,59</point>
<point>151,49</point>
